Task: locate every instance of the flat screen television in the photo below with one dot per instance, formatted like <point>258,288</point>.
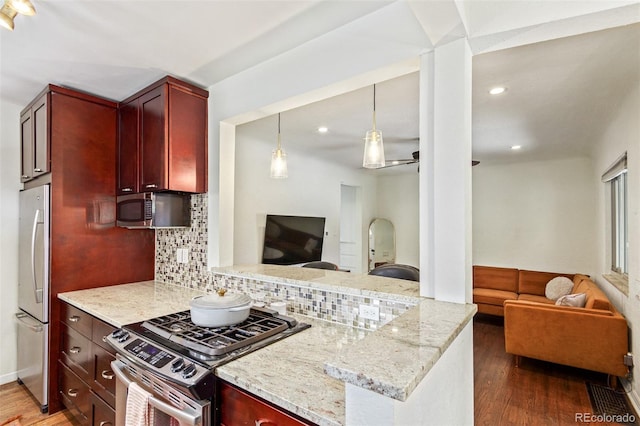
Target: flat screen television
<point>290,240</point>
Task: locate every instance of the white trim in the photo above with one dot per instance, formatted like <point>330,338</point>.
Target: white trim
<point>8,378</point>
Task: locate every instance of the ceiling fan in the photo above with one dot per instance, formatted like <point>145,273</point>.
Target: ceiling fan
<point>415,158</point>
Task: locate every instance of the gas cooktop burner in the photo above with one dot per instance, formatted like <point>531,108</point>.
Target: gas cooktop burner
<point>179,328</point>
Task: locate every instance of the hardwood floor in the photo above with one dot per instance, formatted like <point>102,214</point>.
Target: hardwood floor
<point>535,393</point>
<point>15,400</point>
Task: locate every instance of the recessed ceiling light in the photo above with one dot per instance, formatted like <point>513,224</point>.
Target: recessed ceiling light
<point>323,129</point>
<point>497,90</point>
<point>516,147</point>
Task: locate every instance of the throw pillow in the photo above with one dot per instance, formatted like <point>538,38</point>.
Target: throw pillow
<point>558,287</point>
<point>577,300</point>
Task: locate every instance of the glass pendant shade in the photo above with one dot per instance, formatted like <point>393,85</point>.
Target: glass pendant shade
<point>373,150</point>
<point>279,159</point>
<point>373,157</point>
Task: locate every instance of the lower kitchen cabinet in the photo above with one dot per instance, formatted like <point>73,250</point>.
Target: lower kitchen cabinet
<point>86,383</point>
<point>237,407</point>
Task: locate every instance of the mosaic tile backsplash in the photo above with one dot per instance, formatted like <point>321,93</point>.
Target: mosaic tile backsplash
<point>320,304</point>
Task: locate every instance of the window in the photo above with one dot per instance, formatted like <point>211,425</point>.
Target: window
<point>616,178</point>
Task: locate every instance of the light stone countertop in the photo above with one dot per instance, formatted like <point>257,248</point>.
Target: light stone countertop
<point>129,303</point>
<point>335,281</point>
<point>305,373</point>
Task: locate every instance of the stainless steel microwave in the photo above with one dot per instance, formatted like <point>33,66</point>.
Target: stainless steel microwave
<point>154,210</point>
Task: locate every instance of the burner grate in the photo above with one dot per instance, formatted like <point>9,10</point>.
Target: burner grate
<point>179,329</point>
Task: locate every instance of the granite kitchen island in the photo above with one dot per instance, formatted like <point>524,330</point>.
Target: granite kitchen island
<point>331,373</point>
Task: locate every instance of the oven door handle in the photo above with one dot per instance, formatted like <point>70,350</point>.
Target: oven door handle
<point>182,417</point>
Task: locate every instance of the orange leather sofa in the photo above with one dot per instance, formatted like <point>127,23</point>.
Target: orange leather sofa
<point>594,337</point>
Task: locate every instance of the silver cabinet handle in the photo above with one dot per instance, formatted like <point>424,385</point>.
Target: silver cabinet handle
<point>74,318</point>
<point>151,185</point>
<point>37,170</point>
<point>126,189</point>
<point>75,350</point>
<point>107,374</point>
<point>265,422</point>
<point>25,176</point>
<point>72,393</point>
<point>105,423</point>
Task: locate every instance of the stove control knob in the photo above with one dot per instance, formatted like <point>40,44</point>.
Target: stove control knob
<point>116,334</point>
<point>123,337</point>
<point>189,371</point>
<point>177,365</point>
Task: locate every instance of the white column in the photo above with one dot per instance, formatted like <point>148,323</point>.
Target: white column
<point>445,169</point>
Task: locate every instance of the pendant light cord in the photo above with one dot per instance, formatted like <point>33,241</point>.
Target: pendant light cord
<point>374,107</point>
<point>279,146</point>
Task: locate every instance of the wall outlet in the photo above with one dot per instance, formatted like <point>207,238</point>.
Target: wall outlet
<point>628,360</point>
<point>370,312</point>
<point>182,255</point>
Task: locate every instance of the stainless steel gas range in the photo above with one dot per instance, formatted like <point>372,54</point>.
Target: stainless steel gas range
<point>174,360</point>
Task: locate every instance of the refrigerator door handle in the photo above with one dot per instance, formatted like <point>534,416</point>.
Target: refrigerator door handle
<point>34,232</point>
<point>21,319</point>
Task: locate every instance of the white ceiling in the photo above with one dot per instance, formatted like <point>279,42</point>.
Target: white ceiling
<point>114,48</point>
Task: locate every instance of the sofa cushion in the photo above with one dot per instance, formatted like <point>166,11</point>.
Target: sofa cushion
<point>535,298</point>
<point>577,279</point>
<point>492,277</point>
<point>596,299</point>
<point>535,282</point>
<point>577,300</point>
<point>558,287</point>
<point>492,297</point>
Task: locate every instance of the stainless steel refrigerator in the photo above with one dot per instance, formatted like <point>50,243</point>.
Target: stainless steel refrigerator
<point>33,292</point>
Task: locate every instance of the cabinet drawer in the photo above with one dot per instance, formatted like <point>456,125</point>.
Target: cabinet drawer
<point>100,330</point>
<point>102,413</point>
<point>240,408</point>
<point>75,395</point>
<point>104,383</point>
<point>76,353</point>
<point>76,319</point>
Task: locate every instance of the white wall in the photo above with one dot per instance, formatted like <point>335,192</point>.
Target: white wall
<point>312,189</point>
<point>9,187</point>
<point>623,134</point>
<point>537,215</point>
<point>398,197</point>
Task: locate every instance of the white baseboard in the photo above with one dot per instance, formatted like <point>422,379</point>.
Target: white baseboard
<point>9,377</point>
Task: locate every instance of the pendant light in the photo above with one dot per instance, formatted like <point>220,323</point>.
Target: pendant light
<point>11,8</point>
<point>279,159</point>
<point>373,147</point>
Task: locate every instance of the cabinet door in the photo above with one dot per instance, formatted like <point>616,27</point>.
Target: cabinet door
<point>187,141</point>
<point>153,140</point>
<point>241,408</point>
<point>76,353</point>
<point>41,154</point>
<point>102,413</point>
<point>26,144</point>
<point>128,136</point>
<point>75,395</point>
<point>104,382</point>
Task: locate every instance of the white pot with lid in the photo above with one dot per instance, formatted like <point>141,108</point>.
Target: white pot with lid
<point>220,309</point>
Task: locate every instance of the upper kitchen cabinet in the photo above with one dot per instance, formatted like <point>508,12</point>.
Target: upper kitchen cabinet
<point>34,138</point>
<point>162,144</point>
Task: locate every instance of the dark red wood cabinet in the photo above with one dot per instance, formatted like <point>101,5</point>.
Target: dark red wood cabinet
<point>71,137</point>
<point>162,139</point>
<point>34,139</point>
<point>238,407</point>
<point>86,382</point>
